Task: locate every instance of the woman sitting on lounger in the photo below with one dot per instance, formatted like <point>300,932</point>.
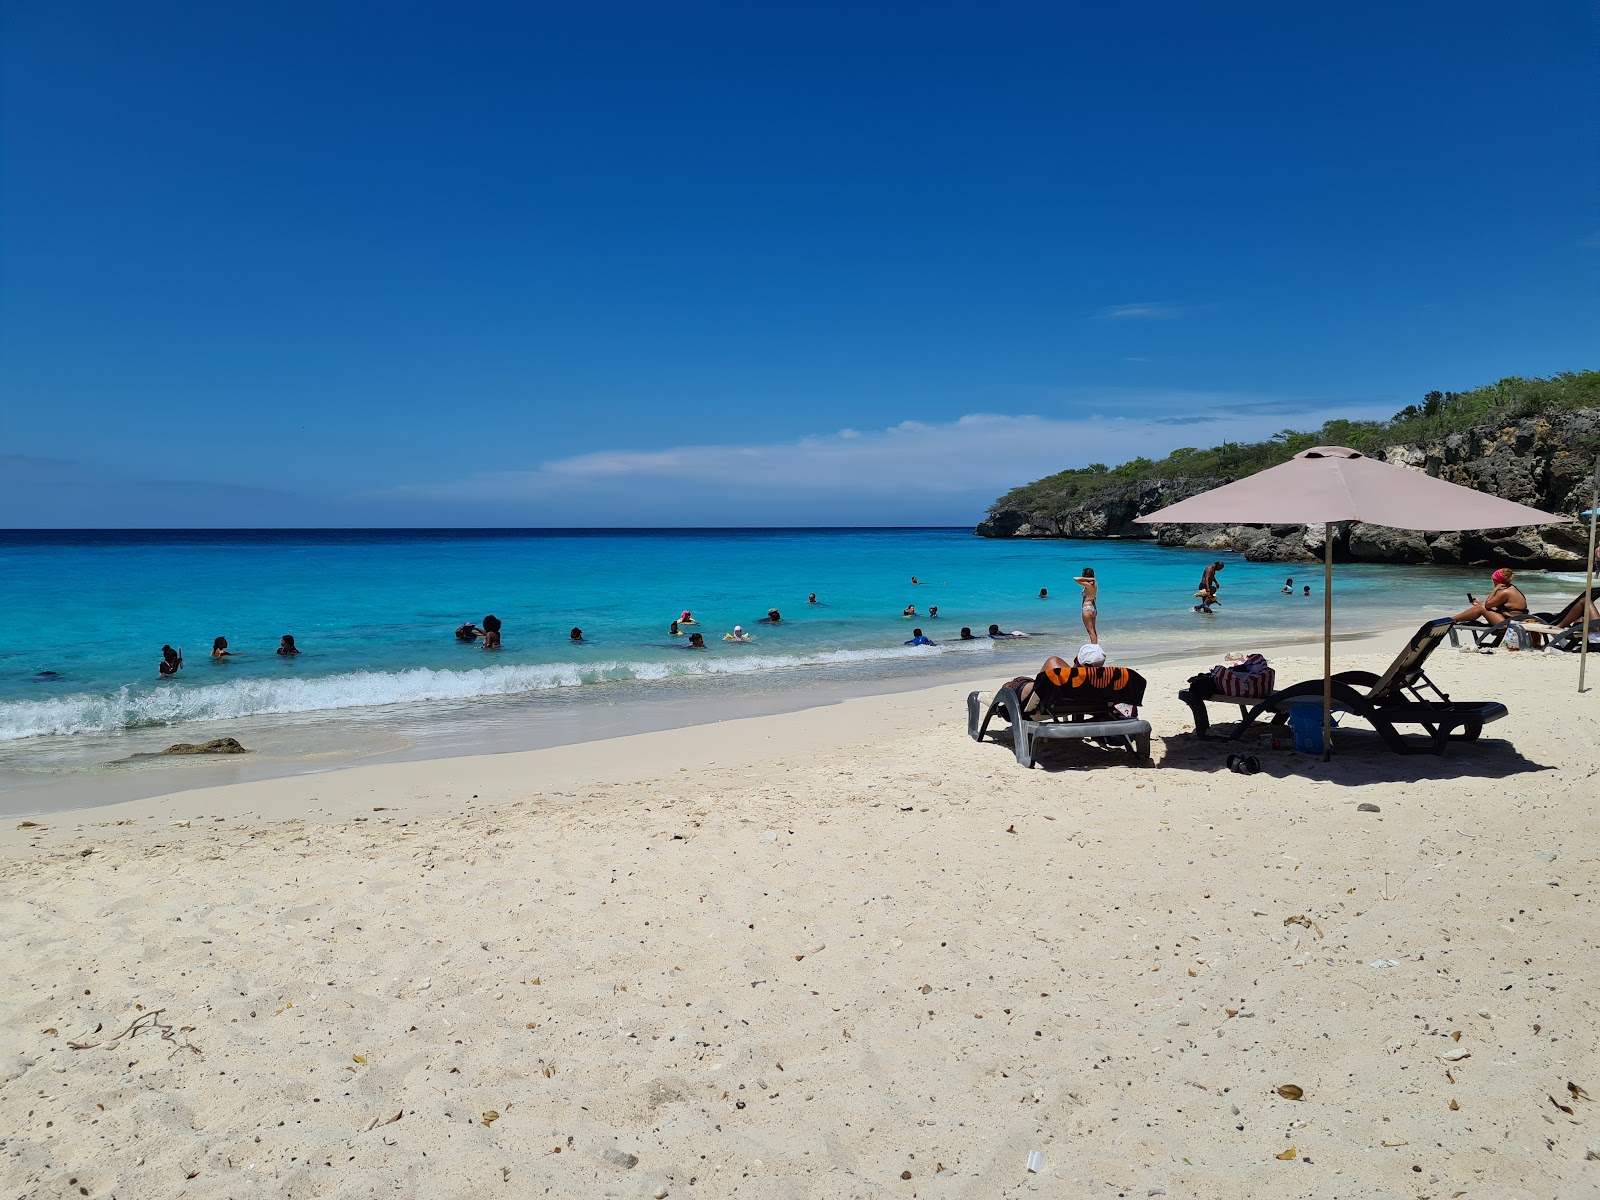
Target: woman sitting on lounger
<point>1504,603</point>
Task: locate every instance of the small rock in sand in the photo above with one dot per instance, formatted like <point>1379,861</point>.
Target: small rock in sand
<point>620,1158</point>
<point>1368,808</point>
<point>214,746</point>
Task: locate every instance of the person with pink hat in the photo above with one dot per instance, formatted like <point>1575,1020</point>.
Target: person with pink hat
<point>1505,602</point>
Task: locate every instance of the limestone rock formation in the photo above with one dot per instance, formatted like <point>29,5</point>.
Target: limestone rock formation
<point>1545,461</point>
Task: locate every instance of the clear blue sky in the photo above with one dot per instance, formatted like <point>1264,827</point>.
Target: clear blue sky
<point>343,263</point>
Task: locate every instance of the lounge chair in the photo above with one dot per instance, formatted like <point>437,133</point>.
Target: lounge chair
<point>1077,707</point>
<point>1397,697</point>
<point>1484,635</point>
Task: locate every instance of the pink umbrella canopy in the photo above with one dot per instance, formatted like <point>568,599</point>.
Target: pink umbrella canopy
<point>1328,484</point>
<point>1332,483</point>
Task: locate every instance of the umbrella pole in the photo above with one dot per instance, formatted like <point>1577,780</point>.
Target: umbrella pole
<point>1588,594</point>
<point>1327,641</point>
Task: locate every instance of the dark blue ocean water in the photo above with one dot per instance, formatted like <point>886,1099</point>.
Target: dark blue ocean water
<point>374,611</point>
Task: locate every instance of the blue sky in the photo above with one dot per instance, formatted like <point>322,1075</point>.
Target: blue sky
<point>538,264</point>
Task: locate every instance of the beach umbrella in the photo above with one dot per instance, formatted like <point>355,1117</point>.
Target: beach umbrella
<point>1588,584</point>
<point>1328,484</point>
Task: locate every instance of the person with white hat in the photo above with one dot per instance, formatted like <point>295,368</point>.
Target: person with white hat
<point>738,635</point>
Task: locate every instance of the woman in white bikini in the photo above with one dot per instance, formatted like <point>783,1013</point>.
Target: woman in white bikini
<point>1091,593</point>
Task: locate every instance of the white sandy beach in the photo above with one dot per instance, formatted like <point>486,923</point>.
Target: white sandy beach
<point>845,952</point>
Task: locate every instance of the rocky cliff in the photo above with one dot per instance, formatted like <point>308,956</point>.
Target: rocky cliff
<point>1546,461</point>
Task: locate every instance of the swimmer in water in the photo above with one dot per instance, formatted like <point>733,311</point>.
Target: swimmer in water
<point>738,635</point>
<point>674,631</point>
<point>917,639</point>
<point>286,646</point>
<point>933,612</point>
<point>696,642</point>
<point>171,660</point>
<point>915,582</point>
<point>468,632</point>
<point>1288,587</point>
<point>812,599</point>
<point>576,635</point>
<point>773,617</point>
<point>909,610</point>
<point>219,648</point>
<point>687,618</point>
<point>491,632</point>
<point>967,635</point>
<point>1044,593</point>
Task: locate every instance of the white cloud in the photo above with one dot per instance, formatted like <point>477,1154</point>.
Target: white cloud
<point>1139,312</point>
<point>981,453</point>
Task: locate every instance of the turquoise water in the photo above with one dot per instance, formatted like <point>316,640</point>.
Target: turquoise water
<point>374,614</point>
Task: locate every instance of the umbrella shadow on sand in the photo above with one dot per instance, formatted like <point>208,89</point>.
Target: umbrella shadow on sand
<point>1362,758</point>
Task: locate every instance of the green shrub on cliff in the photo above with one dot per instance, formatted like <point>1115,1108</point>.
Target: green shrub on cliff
<point>1439,414</point>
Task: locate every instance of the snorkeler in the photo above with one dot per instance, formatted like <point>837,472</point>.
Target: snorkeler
<point>286,646</point>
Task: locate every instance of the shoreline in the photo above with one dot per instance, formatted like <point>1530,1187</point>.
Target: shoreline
<point>845,952</point>
<point>439,736</point>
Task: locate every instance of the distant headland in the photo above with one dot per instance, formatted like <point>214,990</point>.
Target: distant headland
<point>1533,441</point>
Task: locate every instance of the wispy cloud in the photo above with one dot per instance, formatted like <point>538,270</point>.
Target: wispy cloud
<point>969,460</point>
<point>1140,312</point>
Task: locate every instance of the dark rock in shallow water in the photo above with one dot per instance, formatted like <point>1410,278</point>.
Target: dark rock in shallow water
<point>214,746</point>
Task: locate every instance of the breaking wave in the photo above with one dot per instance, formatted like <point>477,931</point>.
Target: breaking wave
<point>171,703</point>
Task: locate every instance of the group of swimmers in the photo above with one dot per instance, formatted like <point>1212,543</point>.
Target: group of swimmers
<point>172,657</point>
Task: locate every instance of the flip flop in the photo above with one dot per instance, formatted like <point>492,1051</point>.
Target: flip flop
<point>1244,764</point>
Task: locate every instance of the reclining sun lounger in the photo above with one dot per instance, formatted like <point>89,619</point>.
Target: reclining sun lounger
<point>1078,705</point>
<point>1484,635</point>
<point>1395,698</point>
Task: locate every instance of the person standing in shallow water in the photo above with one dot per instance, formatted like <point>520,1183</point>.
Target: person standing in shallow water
<point>286,646</point>
<point>171,660</point>
<point>1091,607</point>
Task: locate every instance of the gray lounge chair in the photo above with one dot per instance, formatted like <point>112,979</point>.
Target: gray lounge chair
<point>1080,710</point>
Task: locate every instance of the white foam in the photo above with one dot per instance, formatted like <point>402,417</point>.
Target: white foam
<point>171,703</point>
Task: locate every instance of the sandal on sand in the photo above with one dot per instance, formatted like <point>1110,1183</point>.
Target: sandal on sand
<point>1244,764</point>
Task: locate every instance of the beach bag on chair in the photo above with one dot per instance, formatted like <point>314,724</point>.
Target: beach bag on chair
<point>1251,679</point>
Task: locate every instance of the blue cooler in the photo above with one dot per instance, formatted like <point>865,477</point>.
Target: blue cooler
<point>1305,718</point>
